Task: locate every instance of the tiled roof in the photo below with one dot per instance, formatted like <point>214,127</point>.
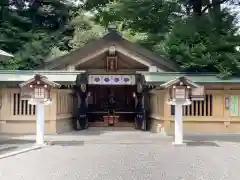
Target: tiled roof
<point>63,77</point>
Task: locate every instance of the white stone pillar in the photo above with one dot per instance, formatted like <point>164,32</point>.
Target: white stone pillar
<point>178,124</point>
<point>40,123</point>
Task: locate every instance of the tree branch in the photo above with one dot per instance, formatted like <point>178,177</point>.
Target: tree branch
<point>213,4</point>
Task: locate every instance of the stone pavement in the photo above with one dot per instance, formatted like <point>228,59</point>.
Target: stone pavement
<point>125,154</point>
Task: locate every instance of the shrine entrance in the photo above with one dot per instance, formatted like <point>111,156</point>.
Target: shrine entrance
<point>110,100</point>
<point>110,105</point>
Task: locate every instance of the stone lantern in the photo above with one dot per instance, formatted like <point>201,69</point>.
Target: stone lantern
<point>37,91</point>
<point>181,92</point>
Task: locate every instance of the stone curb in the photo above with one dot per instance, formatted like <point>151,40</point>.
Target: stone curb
<point>20,151</point>
<point>179,145</point>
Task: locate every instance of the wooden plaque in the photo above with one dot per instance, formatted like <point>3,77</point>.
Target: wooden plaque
<point>112,63</point>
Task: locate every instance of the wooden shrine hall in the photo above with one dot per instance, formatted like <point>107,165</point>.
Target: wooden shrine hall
<point>114,82</point>
<point>110,92</point>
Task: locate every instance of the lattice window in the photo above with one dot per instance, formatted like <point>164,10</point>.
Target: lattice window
<point>39,92</point>
<point>21,107</point>
<point>197,108</point>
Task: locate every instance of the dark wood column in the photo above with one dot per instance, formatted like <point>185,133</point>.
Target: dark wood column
<point>82,94</point>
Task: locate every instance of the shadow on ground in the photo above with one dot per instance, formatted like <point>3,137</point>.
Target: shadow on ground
<point>67,143</point>
<point>12,144</point>
<point>93,131</point>
<point>16,143</point>
<point>202,143</point>
<point>219,138</point>
<point>7,149</point>
<point>209,140</point>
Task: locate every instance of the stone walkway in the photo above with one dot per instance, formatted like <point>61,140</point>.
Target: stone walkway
<point>126,154</point>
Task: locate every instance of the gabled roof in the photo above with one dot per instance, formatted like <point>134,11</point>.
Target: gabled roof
<point>100,45</point>
<point>42,78</point>
<point>68,77</point>
<point>176,80</point>
<point>158,78</point>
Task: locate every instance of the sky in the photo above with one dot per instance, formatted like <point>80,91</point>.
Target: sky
<point>235,10</point>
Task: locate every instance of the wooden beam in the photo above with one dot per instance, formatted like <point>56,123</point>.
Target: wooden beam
<point>91,56</point>
<point>132,56</point>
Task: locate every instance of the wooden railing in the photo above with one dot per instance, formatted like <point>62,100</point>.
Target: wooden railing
<point>21,107</point>
<point>16,109</point>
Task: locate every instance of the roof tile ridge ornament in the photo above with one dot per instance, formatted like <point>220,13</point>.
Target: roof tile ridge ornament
<point>112,28</point>
<point>113,33</point>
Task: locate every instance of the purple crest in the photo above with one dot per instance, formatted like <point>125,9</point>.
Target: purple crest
<point>97,79</point>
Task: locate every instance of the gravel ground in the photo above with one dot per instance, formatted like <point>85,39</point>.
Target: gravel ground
<point>125,155</point>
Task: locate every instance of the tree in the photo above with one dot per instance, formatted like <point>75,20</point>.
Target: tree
<point>30,28</point>
<point>85,30</point>
<point>199,7</point>
<point>152,18</point>
<point>201,47</point>
<point>200,36</point>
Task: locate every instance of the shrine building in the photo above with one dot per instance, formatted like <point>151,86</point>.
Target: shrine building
<point>113,69</point>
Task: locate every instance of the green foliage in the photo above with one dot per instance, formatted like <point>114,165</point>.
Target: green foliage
<point>29,29</point>
<point>198,35</point>
<point>201,44</point>
<point>85,30</point>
